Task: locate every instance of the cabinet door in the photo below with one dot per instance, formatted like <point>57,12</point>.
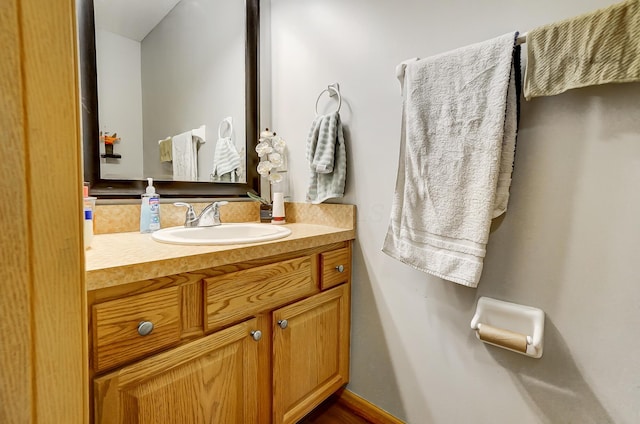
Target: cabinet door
<point>310,353</point>
<point>211,380</point>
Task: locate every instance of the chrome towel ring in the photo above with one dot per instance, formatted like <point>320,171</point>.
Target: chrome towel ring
<point>333,90</point>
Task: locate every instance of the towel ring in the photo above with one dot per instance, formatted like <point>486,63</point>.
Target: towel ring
<point>336,91</point>
<point>229,122</point>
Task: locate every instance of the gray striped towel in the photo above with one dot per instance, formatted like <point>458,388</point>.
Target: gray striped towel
<point>327,158</point>
<point>226,158</point>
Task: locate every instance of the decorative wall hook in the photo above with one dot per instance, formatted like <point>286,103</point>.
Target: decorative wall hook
<point>108,141</point>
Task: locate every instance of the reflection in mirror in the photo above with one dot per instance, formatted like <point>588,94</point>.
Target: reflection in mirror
<point>165,68</point>
<point>176,96</point>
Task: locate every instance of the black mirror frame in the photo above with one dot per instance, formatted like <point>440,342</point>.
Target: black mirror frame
<point>110,189</point>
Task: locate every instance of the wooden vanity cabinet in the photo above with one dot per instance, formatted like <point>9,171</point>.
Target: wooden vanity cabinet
<point>258,342</point>
<point>310,352</point>
<point>211,380</point>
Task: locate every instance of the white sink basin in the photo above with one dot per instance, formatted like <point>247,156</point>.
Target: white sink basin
<point>221,234</point>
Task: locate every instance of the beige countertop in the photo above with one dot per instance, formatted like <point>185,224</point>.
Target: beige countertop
<point>121,258</point>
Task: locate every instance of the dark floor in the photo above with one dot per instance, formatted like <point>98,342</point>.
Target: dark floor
<point>332,412</point>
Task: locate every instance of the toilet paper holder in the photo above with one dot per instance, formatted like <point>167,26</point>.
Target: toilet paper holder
<point>511,326</point>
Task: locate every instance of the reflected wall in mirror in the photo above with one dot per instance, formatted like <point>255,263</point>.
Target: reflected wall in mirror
<point>175,89</point>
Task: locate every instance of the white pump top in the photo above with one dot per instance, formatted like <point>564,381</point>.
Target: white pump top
<point>150,188</point>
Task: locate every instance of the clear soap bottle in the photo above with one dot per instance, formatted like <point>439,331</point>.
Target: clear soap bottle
<point>150,209</point>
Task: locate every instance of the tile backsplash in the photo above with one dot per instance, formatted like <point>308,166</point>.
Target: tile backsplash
<point>126,218</point>
<point>109,218</point>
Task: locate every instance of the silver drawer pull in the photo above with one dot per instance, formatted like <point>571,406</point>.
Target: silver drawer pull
<point>340,268</point>
<point>145,328</point>
<point>283,323</point>
<point>256,334</point>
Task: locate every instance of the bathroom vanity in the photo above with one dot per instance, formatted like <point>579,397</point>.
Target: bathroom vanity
<point>255,333</point>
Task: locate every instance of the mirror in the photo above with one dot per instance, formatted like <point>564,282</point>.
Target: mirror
<point>198,79</point>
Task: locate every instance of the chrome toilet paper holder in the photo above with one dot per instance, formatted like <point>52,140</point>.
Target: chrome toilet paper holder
<point>511,326</point>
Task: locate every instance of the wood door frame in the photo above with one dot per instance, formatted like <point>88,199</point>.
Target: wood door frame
<point>42,295</point>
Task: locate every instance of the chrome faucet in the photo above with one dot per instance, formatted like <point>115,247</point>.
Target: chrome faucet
<point>209,217</point>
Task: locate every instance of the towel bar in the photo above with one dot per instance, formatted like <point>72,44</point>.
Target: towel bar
<point>200,133</point>
<point>522,38</point>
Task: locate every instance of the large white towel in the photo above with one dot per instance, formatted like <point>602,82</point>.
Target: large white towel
<point>327,156</point>
<point>456,157</point>
<point>184,152</point>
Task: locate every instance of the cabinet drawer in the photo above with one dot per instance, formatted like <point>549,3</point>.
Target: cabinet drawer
<point>336,267</point>
<point>237,295</point>
<point>115,327</point>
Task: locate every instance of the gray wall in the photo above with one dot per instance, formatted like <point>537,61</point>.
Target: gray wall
<point>193,74</point>
<point>120,95</point>
<point>568,243</point>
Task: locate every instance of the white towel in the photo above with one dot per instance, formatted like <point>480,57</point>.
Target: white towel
<point>184,152</point>
<point>327,156</point>
<point>456,157</point>
<point>226,159</point>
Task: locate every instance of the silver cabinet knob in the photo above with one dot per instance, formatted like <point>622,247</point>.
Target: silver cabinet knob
<point>340,268</point>
<point>283,323</point>
<point>256,334</point>
<point>145,328</point>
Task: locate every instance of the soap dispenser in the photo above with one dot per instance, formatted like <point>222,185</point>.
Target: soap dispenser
<point>150,209</point>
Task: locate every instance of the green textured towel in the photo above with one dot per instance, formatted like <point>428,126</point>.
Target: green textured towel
<point>596,48</point>
<point>327,158</point>
<point>165,150</point>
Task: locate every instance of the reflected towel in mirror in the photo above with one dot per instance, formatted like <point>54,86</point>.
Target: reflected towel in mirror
<point>165,150</point>
<point>226,159</point>
<point>185,157</point>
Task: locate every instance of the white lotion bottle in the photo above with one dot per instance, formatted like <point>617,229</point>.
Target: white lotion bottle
<point>278,209</point>
<point>150,209</point>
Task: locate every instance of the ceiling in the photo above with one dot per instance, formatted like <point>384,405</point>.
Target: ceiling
<point>133,19</point>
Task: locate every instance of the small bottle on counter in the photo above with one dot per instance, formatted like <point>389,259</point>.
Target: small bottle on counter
<point>278,209</point>
<point>266,212</point>
<point>150,209</point>
<point>88,208</point>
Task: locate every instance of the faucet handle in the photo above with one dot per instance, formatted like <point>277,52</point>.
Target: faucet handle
<point>220,203</point>
<point>215,207</point>
<point>210,215</point>
<point>190,217</point>
<point>215,211</point>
